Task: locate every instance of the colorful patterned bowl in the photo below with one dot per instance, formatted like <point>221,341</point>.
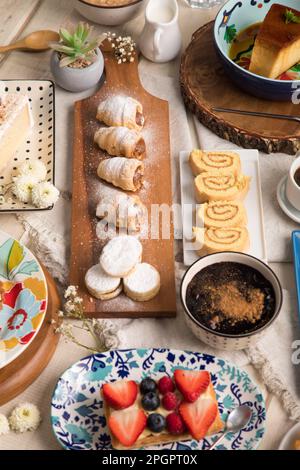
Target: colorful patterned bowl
<point>24,301</point>
<point>219,340</point>
<point>232,18</point>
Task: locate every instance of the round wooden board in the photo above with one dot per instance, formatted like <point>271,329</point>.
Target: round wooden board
<point>204,85</point>
<point>19,374</point>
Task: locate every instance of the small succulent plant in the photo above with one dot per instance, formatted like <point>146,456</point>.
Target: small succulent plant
<point>77,45</point>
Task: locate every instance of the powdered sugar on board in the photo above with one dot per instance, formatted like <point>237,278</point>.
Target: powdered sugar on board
<point>156,190</point>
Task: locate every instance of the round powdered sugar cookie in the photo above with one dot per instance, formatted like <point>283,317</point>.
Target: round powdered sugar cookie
<point>101,285</point>
<point>143,283</point>
<point>120,255</point>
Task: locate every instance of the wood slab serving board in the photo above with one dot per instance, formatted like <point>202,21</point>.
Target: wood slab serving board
<point>85,246</point>
<point>23,371</point>
<point>204,85</point>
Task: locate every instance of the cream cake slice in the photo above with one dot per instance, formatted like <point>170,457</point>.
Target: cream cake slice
<point>15,123</point>
<point>277,45</point>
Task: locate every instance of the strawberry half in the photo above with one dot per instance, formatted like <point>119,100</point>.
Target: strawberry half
<point>127,425</point>
<point>191,383</point>
<point>199,416</point>
<point>120,394</point>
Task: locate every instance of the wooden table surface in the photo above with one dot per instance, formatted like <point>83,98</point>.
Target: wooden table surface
<point>19,17</point>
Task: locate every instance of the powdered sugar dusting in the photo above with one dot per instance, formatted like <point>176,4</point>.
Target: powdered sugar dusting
<point>120,110</point>
<point>144,278</point>
<point>97,280</point>
<point>120,255</point>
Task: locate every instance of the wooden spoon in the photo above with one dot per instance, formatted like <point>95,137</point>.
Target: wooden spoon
<point>37,41</point>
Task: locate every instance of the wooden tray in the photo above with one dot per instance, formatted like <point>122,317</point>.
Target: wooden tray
<point>85,246</point>
<point>204,84</point>
<point>23,371</point>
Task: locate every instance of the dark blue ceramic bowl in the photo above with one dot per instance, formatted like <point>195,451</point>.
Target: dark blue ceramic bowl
<point>235,16</point>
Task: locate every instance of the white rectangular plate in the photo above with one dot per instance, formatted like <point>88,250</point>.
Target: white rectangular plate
<point>253,205</point>
<point>40,142</point>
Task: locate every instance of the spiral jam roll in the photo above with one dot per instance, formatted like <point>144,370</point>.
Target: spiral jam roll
<point>221,187</point>
<point>222,214</point>
<point>215,240</point>
<point>214,162</point>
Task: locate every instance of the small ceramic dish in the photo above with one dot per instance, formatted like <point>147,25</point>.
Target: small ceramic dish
<point>234,17</point>
<point>24,301</point>
<point>220,340</point>
<point>284,204</point>
<point>109,15</point>
<point>290,438</point>
<point>77,416</point>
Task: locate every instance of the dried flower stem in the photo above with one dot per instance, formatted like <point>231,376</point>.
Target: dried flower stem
<point>103,334</point>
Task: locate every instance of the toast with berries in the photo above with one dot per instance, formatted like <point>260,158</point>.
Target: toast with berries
<point>168,410</point>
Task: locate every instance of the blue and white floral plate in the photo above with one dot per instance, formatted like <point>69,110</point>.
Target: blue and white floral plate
<point>77,409</point>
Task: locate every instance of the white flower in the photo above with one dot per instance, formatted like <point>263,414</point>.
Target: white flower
<point>25,417</point>
<point>70,291</point>
<point>23,186</point>
<point>34,168</point>
<point>44,195</point>
<point>69,306</point>
<point>4,426</point>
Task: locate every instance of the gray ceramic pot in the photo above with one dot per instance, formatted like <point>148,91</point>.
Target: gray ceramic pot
<point>77,79</point>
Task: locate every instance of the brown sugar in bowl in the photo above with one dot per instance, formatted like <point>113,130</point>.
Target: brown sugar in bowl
<point>238,332</point>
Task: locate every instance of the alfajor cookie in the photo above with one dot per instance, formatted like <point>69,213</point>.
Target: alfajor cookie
<point>101,285</point>
<point>143,283</point>
<point>120,255</point>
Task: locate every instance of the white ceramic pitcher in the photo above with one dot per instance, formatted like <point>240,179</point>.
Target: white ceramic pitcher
<point>160,40</point>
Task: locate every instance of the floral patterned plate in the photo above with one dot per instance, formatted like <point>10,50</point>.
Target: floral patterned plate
<point>77,409</point>
<point>24,300</point>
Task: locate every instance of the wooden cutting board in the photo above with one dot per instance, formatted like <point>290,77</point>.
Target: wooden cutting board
<point>24,370</point>
<point>204,85</point>
<point>85,246</point>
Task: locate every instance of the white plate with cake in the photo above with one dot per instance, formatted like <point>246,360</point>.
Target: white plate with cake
<point>221,203</point>
<point>27,132</point>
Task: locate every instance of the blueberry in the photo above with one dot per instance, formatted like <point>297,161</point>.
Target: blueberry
<point>156,422</point>
<point>150,401</point>
<point>147,385</point>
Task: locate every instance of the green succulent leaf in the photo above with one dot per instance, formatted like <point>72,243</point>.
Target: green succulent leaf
<point>81,30</point>
<point>66,37</point>
<point>59,47</point>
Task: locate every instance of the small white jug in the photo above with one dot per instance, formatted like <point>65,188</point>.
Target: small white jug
<point>160,40</point>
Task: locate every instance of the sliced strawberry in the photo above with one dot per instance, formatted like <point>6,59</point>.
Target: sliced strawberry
<point>127,425</point>
<point>120,394</point>
<point>199,416</point>
<point>191,383</point>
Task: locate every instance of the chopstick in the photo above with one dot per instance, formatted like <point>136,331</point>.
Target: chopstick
<point>259,114</point>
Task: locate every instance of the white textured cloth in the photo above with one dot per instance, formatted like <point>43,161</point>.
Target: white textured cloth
<point>278,226</point>
<point>48,237</point>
